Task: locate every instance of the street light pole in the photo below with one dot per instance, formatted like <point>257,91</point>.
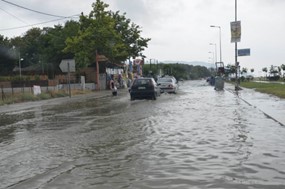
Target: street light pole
<point>213,55</point>
<point>215,50</point>
<point>220,36</point>
<point>20,65</point>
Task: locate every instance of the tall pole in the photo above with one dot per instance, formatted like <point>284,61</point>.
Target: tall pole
<point>215,50</point>
<point>20,65</point>
<point>220,39</point>
<point>220,44</point>
<point>69,87</point>
<point>236,61</point>
<point>97,70</point>
<point>213,56</point>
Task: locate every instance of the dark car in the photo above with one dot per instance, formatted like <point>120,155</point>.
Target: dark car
<point>144,88</point>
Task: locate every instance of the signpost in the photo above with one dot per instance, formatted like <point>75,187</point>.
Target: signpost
<point>65,63</point>
<point>99,58</point>
<point>67,66</point>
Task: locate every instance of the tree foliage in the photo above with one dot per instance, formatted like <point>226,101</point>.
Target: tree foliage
<point>107,33</point>
<point>102,30</point>
<point>179,71</point>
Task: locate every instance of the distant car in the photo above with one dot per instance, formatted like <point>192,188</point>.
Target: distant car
<point>167,84</point>
<point>172,77</point>
<point>144,88</point>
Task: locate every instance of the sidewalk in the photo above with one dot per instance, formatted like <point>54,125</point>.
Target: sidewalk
<point>271,106</point>
<point>35,104</point>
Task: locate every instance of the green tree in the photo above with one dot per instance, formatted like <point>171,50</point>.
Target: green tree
<point>283,69</point>
<point>106,33</point>
<point>243,70</point>
<point>273,70</point>
<point>230,69</point>
<point>53,44</point>
<point>130,34</point>
<point>265,70</point>
<point>31,47</point>
<point>7,56</point>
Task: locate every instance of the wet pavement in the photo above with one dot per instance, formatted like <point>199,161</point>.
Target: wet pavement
<point>198,138</point>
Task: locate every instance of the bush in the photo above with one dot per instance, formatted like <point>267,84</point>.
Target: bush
<point>44,96</point>
<point>55,94</point>
<point>28,97</point>
<point>37,77</point>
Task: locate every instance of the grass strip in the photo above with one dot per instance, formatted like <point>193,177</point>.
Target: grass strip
<point>276,89</point>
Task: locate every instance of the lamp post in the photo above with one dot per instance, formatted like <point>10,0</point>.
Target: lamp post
<point>20,67</point>
<point>213,55</point>
<point>19,60</point>
<point>220,40</point>
<point>214,44</point>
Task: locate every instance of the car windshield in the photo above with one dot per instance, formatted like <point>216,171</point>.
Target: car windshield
<point>142,82</point>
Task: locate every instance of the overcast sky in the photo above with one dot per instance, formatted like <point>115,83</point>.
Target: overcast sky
<point>179,29</point>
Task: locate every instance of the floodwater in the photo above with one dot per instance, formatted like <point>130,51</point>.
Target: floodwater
<point>199,138</point>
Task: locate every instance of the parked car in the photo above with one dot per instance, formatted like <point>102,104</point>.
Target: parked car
<point>167,84</point>
<point>144,88</point>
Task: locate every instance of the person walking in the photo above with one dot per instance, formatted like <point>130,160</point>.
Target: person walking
<point>113,87</point>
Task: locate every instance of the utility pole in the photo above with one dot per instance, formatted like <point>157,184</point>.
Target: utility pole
<point>236,61</point>
<point>97,71</point>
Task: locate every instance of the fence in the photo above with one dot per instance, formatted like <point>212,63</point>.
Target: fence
<point>11,91</point>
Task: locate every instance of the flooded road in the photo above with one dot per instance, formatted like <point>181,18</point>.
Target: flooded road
<point>198,138</point>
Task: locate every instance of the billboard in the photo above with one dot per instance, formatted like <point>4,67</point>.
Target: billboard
<point>235,31</point>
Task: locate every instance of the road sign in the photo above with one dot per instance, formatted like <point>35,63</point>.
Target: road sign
<point>102,58</point>
<point>243,52</point>
<point>67,63</point>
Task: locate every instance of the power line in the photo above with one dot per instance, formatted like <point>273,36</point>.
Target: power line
<point>31,25</point>
<point>14,16</point>
<point>32,9</point>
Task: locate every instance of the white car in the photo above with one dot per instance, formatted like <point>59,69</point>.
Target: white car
<point>167,84</point>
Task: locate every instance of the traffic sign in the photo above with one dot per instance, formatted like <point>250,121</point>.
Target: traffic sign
<point>243,52</point>
<point>102,58</point>
<point>67,65</point>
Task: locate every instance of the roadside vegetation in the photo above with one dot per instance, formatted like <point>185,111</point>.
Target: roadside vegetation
<point>276,89</point>
<point>179,71</point>
<point>102,31</point>
<point>28,97</point>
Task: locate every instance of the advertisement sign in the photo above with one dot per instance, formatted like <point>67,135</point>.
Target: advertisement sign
<point>37,90</point>
<point>235,31</point>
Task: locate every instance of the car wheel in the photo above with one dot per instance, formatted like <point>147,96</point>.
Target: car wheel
<point>154,96</point>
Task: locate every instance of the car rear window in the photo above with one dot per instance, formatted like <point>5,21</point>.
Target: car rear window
<point>142,82</point>
<point>165,80</point>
